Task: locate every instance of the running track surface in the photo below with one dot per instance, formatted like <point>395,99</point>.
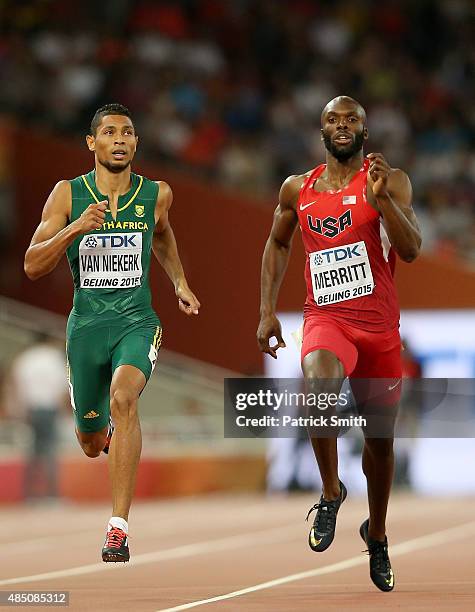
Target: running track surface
<point>241,553</point>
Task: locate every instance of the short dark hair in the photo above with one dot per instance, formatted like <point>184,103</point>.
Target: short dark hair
<point>108,109</point>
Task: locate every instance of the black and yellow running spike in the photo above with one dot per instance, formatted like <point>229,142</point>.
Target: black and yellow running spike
<point>380,569</point>
<point>323,529</point>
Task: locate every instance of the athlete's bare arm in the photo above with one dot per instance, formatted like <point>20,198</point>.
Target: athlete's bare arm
<point>392,191</point>
<point>165,250</point>
<point>53,235</point>
<point>274,263</point>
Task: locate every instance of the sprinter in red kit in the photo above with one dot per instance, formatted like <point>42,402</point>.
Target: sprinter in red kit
<point>355,215</point>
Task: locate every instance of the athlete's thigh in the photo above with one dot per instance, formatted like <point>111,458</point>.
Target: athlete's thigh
<point>379,366</point>
<point>377,380</point>
<point>89,376</point>
<point>379,354</point>
<point>327,352</point>
<point>136,346</point>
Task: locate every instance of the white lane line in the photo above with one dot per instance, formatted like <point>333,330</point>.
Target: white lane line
<point>179,552</point>
<point>427,541</point>
<point>239,518</point>
<point>20,546</point>
<point>35,544</point>
<point>167,526</point>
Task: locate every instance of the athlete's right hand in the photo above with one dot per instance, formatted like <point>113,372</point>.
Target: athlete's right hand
<point>93,217</point>
<point>269,327</point>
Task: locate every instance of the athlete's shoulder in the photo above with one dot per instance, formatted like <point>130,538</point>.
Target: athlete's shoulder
<point>397,180</point>
<point>156,183</point>
<point>62,189</point>
<point>399,186</point>
<point>296,181</point>
<point>399,176</point>
<point>163,184</point>
<point>163,188</point>
<point>164,194</point>
<point>292,186</point>
<point>59,200</point>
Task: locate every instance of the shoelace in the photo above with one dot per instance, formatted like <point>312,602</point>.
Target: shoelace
<point>115,537</point>
<point>325,520</point>
<point>378,552</point>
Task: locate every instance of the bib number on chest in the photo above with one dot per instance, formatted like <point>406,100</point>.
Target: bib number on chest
<point>341,273</point>
<point>111,261</point>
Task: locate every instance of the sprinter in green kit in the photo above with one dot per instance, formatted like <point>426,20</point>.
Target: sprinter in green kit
<point>108,222</point>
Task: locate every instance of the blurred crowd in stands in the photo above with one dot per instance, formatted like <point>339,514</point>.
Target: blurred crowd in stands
<point>233,90</point>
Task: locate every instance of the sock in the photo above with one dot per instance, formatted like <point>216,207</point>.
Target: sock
<point>118,521</point>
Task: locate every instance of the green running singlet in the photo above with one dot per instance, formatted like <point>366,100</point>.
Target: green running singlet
<point>112,321</point>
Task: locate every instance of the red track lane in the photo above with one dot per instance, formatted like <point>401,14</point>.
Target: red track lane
<point>196,549</point>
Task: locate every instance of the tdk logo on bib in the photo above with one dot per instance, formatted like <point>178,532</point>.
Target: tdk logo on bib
<point>340,274</point>
<point>111,261</point>
<point>114,241</point>
<point>330,256</point>
<point>90,242</point>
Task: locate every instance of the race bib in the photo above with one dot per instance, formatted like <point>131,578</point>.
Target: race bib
<point>341,273</point>
<point>111,261</point>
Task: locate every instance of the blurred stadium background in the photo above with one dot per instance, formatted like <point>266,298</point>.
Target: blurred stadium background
<point>226,98</point>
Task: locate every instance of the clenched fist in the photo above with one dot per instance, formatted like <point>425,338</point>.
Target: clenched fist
<point>379,171</point>
<point>93,217</point>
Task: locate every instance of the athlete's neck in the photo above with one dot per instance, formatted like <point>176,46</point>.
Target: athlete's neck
<point>112,184</point>
<point>339,173</point>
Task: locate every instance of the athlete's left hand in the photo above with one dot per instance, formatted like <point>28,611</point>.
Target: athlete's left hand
<point>187,301</point>
<point>379,171</point>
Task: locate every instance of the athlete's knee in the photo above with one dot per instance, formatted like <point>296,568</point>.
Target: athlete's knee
<point>123,402</point>
<point>322,365</point>
<point>91,451</point>
<point>317,384</point>
<point>93,447</point>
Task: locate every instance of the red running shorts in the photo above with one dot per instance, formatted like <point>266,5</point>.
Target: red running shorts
<point>363,354</point>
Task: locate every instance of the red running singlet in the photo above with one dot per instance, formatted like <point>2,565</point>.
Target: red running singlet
<point>349,261</point>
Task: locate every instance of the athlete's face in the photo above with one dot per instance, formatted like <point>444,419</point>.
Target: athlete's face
<point>343,130</point>
<point>115,142</point>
